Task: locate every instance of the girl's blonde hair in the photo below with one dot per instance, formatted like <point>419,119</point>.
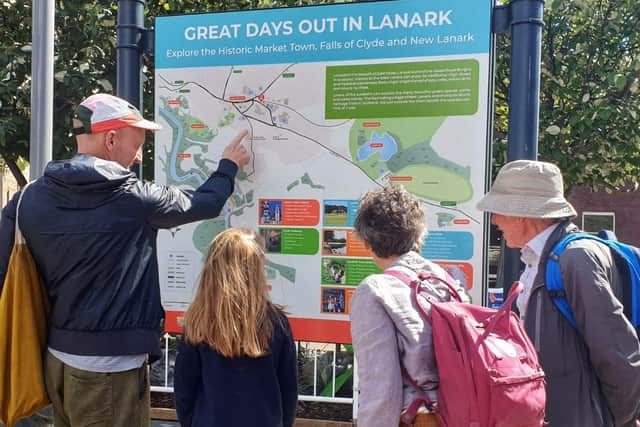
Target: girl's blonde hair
<point>232,312</point>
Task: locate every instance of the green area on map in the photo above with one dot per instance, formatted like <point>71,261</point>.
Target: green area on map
<point>285,271</point>
<point>403,148</point>
<point>205,232</point>
<point>200,133</point>
<point>227,120</point>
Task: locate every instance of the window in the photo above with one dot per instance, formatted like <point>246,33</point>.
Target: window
<point>592,222</point>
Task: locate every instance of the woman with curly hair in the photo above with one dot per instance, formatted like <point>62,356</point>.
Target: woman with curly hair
<point>389,335</point>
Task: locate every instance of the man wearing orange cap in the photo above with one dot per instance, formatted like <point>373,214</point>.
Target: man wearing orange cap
<point>91,226</point>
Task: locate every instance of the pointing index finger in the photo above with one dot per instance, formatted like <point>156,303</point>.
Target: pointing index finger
<point>239,138</point>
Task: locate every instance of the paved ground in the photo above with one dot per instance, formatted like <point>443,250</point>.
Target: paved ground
<point>154,423</point>
<point>158,423</point>
<point>38,421</point>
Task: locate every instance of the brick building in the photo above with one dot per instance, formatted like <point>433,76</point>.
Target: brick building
<point>617,211</point>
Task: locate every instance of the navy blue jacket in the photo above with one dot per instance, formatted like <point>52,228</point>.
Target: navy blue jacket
<point>214,391</point>
<point>91,226</point>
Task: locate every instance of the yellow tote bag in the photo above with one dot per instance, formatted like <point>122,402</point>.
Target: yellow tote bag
<point>23,335</point>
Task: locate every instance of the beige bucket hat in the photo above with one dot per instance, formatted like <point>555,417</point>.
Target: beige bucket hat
<point>529,189</point>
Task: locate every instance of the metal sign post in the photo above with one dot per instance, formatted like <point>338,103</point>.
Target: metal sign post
<point>523,19</point>
<point>131,45</point>
<point>130,50</point>
<point>40,147</point>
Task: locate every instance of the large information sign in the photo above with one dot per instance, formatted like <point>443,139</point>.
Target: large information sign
<point>338,100</point>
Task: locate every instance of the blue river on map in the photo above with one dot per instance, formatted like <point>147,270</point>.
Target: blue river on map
<point>174,156</point>
<point>174,152</point>
<point>388,149</point>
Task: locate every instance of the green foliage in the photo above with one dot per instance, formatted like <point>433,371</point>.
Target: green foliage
<point>501,106</point>
<point>590,97</point>
<point>592,71</point>
<point>15,69</point>
<point>85,62</point>
<point>590,88</point>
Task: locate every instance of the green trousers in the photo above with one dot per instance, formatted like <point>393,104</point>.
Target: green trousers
<point>82,398</point>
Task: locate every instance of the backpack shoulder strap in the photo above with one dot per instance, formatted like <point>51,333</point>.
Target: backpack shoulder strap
<point>607,235</point>
<point>400,276</point>
<point>18,236</point>
<point>422,276</point>
<point>422,399</point>
<point>553,275</point>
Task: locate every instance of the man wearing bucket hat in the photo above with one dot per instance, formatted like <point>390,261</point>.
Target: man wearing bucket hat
<point>593,370</point>
<point>91,226</point>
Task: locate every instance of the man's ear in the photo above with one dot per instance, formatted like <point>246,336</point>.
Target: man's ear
<point>110,140</point>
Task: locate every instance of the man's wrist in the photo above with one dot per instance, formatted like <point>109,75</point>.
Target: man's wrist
<point>227,167</point>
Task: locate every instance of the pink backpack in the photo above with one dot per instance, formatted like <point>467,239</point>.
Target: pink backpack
<point>488,368</point>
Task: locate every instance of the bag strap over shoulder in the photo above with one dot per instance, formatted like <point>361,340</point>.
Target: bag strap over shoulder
<point>19,237</point>
<point>553,274</point>
<point>414,283</point>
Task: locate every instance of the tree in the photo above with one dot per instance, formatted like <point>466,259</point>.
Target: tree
<point>590,96</point>
<point>590,92</point>
<point>85,52</point>
<point>15,65</point>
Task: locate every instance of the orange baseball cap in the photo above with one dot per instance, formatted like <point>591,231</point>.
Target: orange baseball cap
<point>103,112</point>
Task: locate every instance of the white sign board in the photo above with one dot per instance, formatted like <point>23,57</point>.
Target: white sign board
<point>337,100</point>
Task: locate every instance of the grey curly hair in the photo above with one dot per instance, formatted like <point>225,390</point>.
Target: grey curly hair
<point>391,221</point>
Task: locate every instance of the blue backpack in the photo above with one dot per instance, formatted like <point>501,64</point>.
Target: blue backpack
<point>626,257</point>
